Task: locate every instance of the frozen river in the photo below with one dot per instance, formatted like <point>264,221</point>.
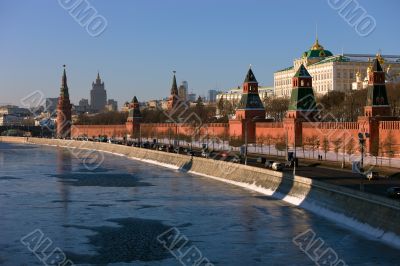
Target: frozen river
<point>126,213</point>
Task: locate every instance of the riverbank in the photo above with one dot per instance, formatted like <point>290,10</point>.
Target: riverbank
<point>375,216</point>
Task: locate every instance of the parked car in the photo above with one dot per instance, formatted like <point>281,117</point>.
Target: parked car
<point>393,192</point>
<point>372,175</point>
<point>278,166</point>
<point>235,160</point>
<point>224,154</point>
<point>162,148</point>
<point>145,144</point>
<point>268,164</point>
<point>261,160</point>
<point>205,154</point>
<point>190,153</point>
<point>178,150</point>
<point>170,148</point>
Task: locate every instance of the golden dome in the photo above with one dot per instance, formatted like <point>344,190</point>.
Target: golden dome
<point>317,46</point>
<point>380,58</point>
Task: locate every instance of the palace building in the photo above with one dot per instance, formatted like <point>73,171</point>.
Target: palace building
<point>332,72</point>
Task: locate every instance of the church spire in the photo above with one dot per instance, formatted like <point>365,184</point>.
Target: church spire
<point>174,88</point>
<point>63,124</point>
<point>98,79</point>
<point>64,85</point>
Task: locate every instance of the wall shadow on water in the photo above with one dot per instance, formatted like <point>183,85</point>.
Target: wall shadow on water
<point>186,167</point>
<point>285,186</point>
<point>64,166</point>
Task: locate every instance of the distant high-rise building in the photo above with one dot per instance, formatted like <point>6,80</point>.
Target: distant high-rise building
<point>185,83</point>
<point>112,105</point>
<point>82,107</point>
<point>212,96</point>
<point>192,97</point>
<point>84,103</point>
<point>51,105</point>
<point>182,92</point>
<point>98,95</point>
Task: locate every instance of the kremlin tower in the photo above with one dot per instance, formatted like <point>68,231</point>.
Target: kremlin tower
<point>174,96</point>
<point>64,110</point>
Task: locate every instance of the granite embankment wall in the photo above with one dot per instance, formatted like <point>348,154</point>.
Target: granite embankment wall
<point>377,216</point>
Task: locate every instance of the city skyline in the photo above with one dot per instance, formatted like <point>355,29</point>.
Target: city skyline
<point>207,53</point>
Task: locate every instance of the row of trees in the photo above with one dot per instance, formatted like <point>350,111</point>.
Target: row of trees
<point>338,145</point>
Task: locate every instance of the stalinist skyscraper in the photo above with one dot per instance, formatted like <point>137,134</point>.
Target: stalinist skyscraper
<point>98,95</point>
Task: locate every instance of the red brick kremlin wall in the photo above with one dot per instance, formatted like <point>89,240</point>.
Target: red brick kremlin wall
<point>156,130</point>
<point>97,130</point>
<point>266,132</point>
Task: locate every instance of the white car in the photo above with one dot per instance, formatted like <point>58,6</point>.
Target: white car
<point>277,166</point>
<point>372,175</point>
<point>205,154</point>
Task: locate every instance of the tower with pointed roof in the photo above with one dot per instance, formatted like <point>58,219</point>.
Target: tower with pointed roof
<point>377,100</point>
<point>174,95</point>
<point>377,107</point>
<point>250,109</point>
<point>134,118</point>
<point>302,101</point>
<point>302,106</point>
<point>250,104</point>
<point>64,106</point>
<point>98,95</point>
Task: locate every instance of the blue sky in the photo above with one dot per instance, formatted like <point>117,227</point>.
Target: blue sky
<point>209,43</point>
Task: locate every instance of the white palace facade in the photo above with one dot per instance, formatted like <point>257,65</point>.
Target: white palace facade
<point>333,72</point>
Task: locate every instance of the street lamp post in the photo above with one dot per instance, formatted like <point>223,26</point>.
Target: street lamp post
<point>140,136</point>
<point>245,142</point>
<point>362,140</point>
<point>287,145</point>
<point>295,158</point>
<point>246,136</point>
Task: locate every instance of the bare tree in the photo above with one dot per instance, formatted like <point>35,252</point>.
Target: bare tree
<point>280,144</point>
<point>313,143</point>
<point>389,146</point>
<point>350,147</point>
<point>261,140</point>
<point>325,145</point>
<point>269,140</point>
<point>337,143</point>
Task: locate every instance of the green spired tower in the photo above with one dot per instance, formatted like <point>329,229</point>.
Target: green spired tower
<point>302,101</point>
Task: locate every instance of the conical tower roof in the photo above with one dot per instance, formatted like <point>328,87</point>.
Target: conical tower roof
<point>250,76</point>
<point>64,86</point>
<point>174,88</point>
<point>302,72</point>
<point>134,112</point>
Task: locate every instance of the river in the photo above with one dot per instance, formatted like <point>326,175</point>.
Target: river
<point>121,212</point>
